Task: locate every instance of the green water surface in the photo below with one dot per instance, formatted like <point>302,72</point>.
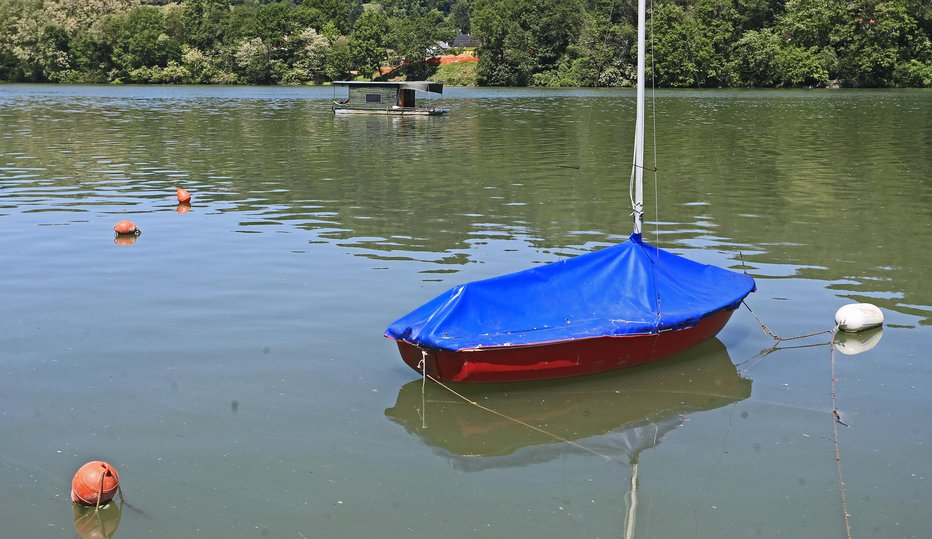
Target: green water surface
<point>230,363</point>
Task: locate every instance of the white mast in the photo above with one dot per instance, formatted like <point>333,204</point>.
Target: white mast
<point>637,167</point>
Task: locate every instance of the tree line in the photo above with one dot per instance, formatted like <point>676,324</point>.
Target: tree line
<point>692,43</point>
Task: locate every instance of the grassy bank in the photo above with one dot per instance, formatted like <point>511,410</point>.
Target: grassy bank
<point>461,74</point>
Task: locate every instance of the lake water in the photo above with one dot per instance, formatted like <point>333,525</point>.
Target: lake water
<point>231,365</point>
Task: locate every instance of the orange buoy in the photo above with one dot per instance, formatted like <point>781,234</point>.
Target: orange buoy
<point>126,227</point>
<point>183,196</point>
<point>94,483</point>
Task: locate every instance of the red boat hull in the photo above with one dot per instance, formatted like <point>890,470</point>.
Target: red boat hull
<point>559,359</point>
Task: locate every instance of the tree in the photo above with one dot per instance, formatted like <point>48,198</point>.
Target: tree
<point>37,36</point>
<point>693,46</point>
<point>339,58</point>
<point>273,22</point>
<point>367,44</point>
<point>309,57</point>
<point>141,41</point>
<point>875,39</point>
<point>459,16</point>
<point>862,42</point>
<point>243,22</point>
<point>413,36</point>
<point>762,58</point>
<point>205,22</point>
<point>92,56</point>
<point>608,51</point>
<point>254,61</point>
<point>342,13</point>
<point>553,26</point>
<point>522,37</point>
<point>305,16</point>
<point>675,59</point>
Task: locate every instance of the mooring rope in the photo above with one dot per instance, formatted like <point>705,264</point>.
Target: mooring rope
<point>516,420</point>
<point>836,416</point>
<point>100,491</point>
<point>782,339</point>
<point>423,366</point>
<point>836,420</point>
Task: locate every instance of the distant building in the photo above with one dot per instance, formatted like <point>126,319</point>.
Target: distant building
<point>464,41</point>
<point>438,48</point>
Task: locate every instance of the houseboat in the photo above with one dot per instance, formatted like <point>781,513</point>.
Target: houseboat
<point>387,98</point>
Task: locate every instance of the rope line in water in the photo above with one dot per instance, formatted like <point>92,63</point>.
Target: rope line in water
<point>836,417</point>
<point>782,339</point>
<point>505,416</point>
<point>836,420</point>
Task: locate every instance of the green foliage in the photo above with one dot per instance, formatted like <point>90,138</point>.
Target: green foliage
<point>141,42</point>
<point>309,61</point>
<point>340,58</point>
<point>674,49</point>
<point>273,22</point>
<point>367,45</point>
<point>913,73</point>
<point>205,21</point>
<point>411,37</point>
<point>460,17</point>
<point>863,42</point>
<point>520,38</point>
<point>342,13</point>
<point>462,74</point>
<point>693,46</point>
<point>694,43</point>
<point>254,60</point>
<point>763,58</point>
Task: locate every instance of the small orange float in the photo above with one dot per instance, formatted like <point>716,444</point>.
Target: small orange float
<point>183,196</point>
<point>126,227</point>
<point>95,483</point>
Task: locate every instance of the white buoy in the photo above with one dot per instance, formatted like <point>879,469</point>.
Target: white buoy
<point>856,317</point>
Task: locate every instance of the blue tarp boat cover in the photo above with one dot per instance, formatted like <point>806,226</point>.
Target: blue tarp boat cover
<point>627,289</point>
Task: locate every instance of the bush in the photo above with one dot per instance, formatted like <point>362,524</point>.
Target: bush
<point>460,74</point>
<point>762,58</point>
<point>913,74</point>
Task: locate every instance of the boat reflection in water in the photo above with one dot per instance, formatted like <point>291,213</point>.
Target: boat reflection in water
<point>617,415</point>
<point>90,523</point>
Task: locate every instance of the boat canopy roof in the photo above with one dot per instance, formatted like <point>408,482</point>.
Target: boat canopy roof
<point>630,288</point>
<point>422,85</point>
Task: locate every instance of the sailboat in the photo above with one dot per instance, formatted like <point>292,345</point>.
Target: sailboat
<point>624,305</point>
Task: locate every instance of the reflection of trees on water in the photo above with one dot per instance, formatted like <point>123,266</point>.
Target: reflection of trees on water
<point>813,185</point>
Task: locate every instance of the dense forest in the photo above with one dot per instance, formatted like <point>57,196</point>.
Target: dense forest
<point>695,43</point>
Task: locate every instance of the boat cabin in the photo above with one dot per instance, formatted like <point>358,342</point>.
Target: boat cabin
<point>387,98</point>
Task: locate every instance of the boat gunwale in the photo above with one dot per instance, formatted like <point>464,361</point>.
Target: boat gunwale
<point>481,348</point>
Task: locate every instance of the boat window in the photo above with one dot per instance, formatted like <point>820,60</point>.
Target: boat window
<point>373,98</point>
